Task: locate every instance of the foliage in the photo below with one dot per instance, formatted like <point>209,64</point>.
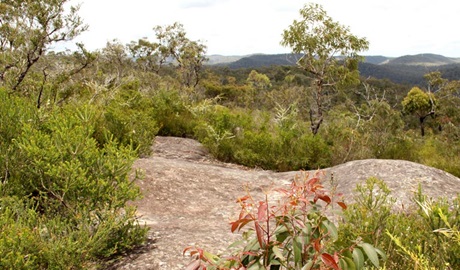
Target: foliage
<point>258,80</point>
<point>295,233</point>
<point>172,43</point>
<point>256,139</point>
<point>320,40</point>
<point>421,104</point>
<point>368,216</point>
<point>63,196</point>
<point>129,118</point>
<point>28,29</point>
<point>412,236</point>
<point>171,114</point>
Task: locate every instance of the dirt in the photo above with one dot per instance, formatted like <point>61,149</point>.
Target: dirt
<point>189,197</point>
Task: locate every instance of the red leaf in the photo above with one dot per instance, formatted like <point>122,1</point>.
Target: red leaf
<point>242,199</point>
<point>238,224</point>
<point>194,251</point>
<point>194,265</point>
<point>260,234</point>
<point>313,181</point>
<point>317,245</point>
<point>262,211</point>
<point>329,261</point>
<point>325,198</point>
<point>343,205</point>
<point>282,190</point>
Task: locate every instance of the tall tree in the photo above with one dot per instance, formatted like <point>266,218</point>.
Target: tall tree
<point>421,104</point>
<point>329,55</point>
<point>172,45</point>
<point>28,29</point>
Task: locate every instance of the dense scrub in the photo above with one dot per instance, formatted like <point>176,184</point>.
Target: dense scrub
<point>71,124</point>
<point>63,193</point>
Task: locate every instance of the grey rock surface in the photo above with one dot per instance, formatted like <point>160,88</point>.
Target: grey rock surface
<point>189,197</point>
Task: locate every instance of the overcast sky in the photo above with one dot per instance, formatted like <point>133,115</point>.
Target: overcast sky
<point>241,27</point>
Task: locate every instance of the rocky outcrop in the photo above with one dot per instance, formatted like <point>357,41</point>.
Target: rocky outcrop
<point>188,197</point>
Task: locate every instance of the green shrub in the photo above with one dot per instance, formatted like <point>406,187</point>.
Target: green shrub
<point>73,191</point>
<point>439,153</point>
<point>171,114</point>
<point>256,139</point>
<point>414,237</point>
<point>129,117</point>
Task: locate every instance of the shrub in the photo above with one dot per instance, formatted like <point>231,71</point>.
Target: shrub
<point>171,114</point>
<point>63,196</point>
<point>417,237</point>
<point>129,117</point>
<point>296,233</point>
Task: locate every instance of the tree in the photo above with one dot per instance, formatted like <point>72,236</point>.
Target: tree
<point>146,55</point>
<point>172,46</point>
<point>190,60</point>
<point>421,104</point>
<point>28,30</point>
<point>115,60</point>
<point>258,80</point>
<point>329,55</point>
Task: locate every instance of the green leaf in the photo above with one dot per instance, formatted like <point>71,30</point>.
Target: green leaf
<point>381,253</point>
<point>371,253</point>
<point>308,266</point>
<point>343,264</point>
<point>331,229</point>
<point>296,242</point>
<point>256,266</point>
<point>278,253</point>
<point>358,258</point>
<point>350,264</point>
<point>211,257</point>
<point>252,245</point>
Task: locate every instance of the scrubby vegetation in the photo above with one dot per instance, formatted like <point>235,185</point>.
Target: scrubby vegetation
<point>71,124</point>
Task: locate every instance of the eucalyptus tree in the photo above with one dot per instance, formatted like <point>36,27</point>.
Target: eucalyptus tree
<point>30,28</point>
<point>329,54</point>
<point>421,104</point>
<point>174,47</point>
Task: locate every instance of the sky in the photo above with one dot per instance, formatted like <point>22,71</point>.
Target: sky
<point>241,27</point>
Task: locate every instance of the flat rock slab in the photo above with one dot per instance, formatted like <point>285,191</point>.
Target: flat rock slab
<point>189,197</point>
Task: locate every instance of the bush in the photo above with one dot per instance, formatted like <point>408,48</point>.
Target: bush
<point>256,139</point>
<point>63,196</point>
<point>295,233</point>
<point>171,114</point>
<point>417,237</point>
<point>129,117</point>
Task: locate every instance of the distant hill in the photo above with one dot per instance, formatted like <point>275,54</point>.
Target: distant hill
<point>426,59</point>
<point>376,60</point>
<point>216,59</point>
<point>408,69</point>
<point>264,60</point>
<point>401,74</point>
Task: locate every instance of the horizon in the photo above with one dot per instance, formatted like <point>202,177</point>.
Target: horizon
<point>365,55</point>
<point>238,27</point>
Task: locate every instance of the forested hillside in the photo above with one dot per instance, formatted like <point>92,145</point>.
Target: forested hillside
<point>407,70</point>
<point>73,122</point>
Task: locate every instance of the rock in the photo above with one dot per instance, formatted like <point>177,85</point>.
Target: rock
<point>189,197</point>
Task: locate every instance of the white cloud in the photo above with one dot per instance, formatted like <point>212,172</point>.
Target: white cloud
<point>230,27</point>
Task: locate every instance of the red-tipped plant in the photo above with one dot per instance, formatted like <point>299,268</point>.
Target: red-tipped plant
<point>293,233</point>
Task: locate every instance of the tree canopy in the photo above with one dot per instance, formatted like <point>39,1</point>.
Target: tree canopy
<point>329,53</point>
<point>28,30</point>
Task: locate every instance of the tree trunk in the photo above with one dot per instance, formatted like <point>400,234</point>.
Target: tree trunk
<point>422,126</point>
<point>315,123</point>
